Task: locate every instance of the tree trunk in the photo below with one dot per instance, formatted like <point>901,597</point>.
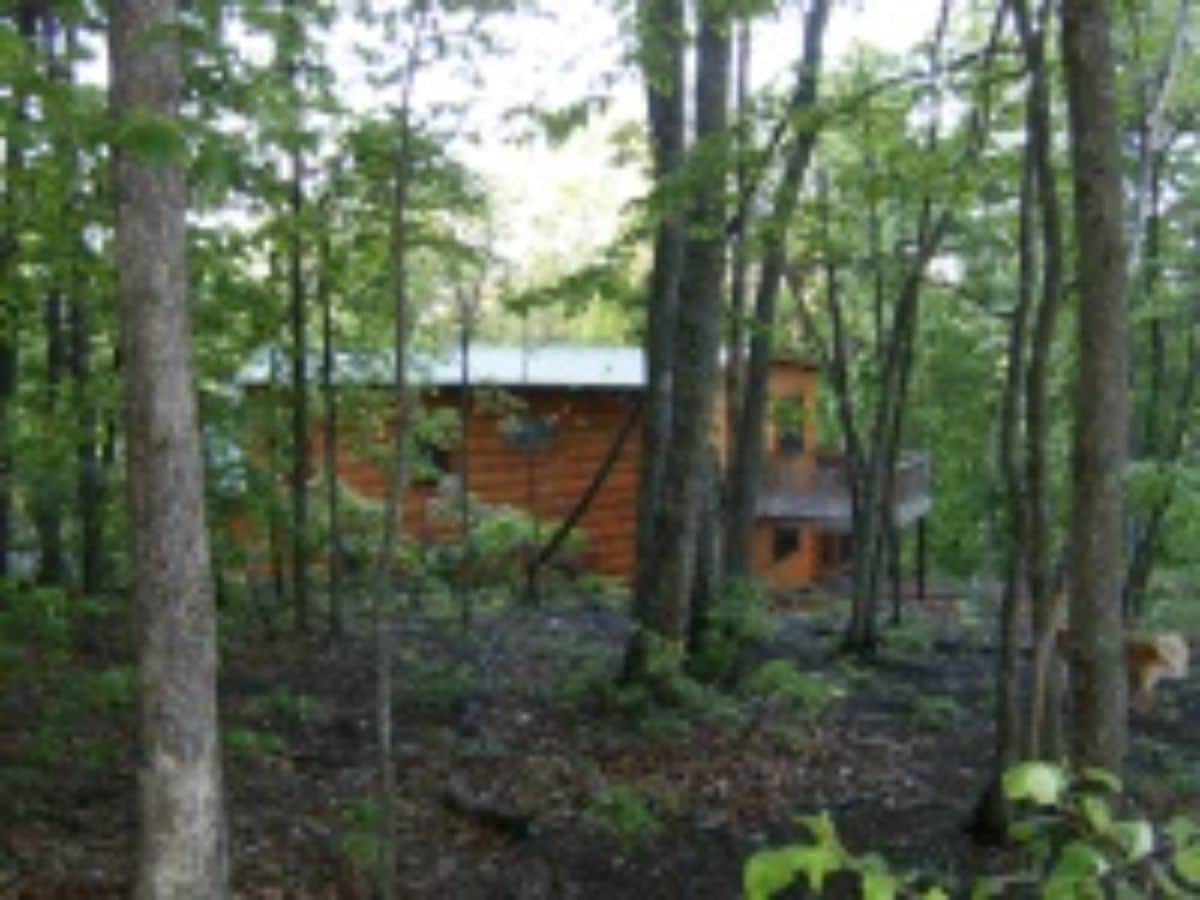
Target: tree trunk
<point>289,52</point>
<point>708,555</point>
<point>466,560</point>
<point>1102,419</point>
<point>48,491</point>
<point>182,847</point>
<point>992,812</point>
<point>48,515</point>
<point>661,50</point>
<point>871,500</point>
<point>697,342</point>
<point>745,474</point>
<point>1044,726</point>
<point>89,487</point>
<point>10,291</point>
<point>299,401</point>
<point>337,622</point>
<point>734,381</point>
<point>275,514</point>
<point>397,483</point>
<point>875,476</point>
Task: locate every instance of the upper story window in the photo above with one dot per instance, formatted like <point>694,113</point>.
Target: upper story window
<point>785,541</point>
<point>789,418</point>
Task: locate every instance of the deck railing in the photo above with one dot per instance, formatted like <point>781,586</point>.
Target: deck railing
<point>822,483</point>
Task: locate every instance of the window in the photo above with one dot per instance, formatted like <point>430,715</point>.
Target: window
<point>836,549</point>
<point>787,541</point>
<point>528,432</point>
<point>789,417</point>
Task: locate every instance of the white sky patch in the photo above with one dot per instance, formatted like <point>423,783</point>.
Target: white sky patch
<point>559,204</point>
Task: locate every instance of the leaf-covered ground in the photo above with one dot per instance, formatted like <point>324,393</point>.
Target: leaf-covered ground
<point>523,774</point>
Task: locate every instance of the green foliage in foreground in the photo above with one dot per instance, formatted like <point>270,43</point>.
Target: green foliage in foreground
<point>740,616</point>
<point>1075,841</point>
<point>622,810</point>
<point>808,693</point>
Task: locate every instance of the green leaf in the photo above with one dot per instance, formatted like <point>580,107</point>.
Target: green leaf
<point>156,140</point>
<point>935,893</point>
<point>1096,813</point>
<point>1071,887</point>
<point>1079,865</point>
<point>1187,863</point>
<point>879,885</point>
<point>1135,838</point>
<point>770,871</point>
<point>1043,783</point>
<point>1101,777</point>
<point>818,863</point>
<point>1023,832</point>
<point>1181,830</point>
<point>16,62</point>
<point>986,888</point>
<point>824,831</point>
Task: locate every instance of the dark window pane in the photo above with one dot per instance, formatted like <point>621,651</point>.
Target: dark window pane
<point>787,541</point>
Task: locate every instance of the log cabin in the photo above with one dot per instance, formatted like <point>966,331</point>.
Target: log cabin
<point>542,423</point>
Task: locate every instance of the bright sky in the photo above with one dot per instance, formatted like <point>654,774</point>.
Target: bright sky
<point>556,205</point>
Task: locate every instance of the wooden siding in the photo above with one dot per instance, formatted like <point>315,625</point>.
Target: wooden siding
<point>795,569</point>
<point>546,482</point>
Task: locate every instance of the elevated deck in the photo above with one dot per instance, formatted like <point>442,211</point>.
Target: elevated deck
<point>816,491</point>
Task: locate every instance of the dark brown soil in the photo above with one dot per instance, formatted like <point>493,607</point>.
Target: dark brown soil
<point>521,776</point>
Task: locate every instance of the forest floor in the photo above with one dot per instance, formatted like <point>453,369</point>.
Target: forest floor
<point>523,774</point>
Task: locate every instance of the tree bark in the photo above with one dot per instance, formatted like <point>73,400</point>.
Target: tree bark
<point>697,342</point>
<point>875,475</point>
<point>299,480</point>
<point>992,813</point>
<point>877,465</point>
<point>10,282</point>
<point>874,470</point>
<point>706,582</point>
<point>397,484</point>
<point>1102,420</point>
<point>48,489</point>
<point>734,381</point>
<point>182,846</point>
<point>661,52</point>
<point>48,515</point>
<point>337,623</point>
<point>89,484</point>
<point>299,329</point>
<point>275,514</point>
<point>1044,726</point>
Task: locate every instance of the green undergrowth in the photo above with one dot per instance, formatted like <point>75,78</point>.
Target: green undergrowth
<point>1078,836</point>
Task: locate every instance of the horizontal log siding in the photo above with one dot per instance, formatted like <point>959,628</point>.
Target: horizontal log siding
<point>547,482</point>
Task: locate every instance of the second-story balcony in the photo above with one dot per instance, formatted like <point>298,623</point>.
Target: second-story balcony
<point>816,489</point>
